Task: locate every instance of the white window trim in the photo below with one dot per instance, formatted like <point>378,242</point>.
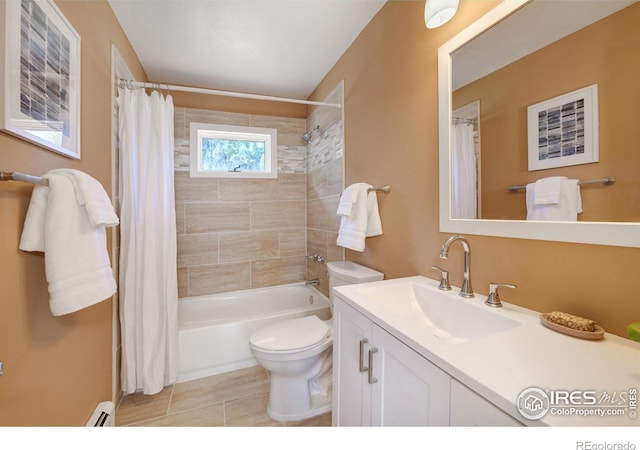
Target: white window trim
<point>268,135</point>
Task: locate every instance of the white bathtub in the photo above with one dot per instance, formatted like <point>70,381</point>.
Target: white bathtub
<point>214,330</point>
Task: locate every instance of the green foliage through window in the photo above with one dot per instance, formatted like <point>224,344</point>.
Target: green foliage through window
<point>233,155</point>
<point>231,151</point>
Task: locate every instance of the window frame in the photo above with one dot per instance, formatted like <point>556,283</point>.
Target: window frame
<point>199,130</point>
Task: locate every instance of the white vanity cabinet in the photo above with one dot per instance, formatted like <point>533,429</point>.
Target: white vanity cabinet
<point>409,353</point>
<point>378,380</point>
<point>468,409</point>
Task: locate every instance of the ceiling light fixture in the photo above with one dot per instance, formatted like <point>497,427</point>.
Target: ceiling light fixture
<point>439,12</point>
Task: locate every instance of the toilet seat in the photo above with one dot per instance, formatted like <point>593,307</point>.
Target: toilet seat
<point>291,335</point>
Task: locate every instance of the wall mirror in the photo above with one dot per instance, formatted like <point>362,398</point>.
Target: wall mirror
<point>480,76</point>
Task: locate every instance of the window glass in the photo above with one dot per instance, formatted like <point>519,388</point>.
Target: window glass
<point>232,151</point>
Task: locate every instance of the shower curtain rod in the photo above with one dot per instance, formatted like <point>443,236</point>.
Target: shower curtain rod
<point>173,87</point>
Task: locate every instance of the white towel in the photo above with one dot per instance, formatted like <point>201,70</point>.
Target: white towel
<point>91,194</point>
<point>77,263</point>
<point>32,239</point>
<point>374,225</point>
<point>548,190</point>
<point>567,208</point>
<point>363,220</point>
<point>349,197</point>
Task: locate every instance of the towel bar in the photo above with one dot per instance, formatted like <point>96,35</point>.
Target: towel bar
<point>386,189</point>
<point>17,176</point>
<point>607,181</point>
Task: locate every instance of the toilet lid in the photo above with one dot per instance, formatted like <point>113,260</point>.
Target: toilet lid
<point>291,334</point>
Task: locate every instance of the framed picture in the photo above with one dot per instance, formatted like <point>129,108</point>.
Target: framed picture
<point>563,131</point>
<point>40,76</point>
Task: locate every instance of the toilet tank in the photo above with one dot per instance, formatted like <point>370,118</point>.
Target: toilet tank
<point>347,272</point>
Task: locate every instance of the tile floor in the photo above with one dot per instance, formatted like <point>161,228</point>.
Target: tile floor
<point>237,398</point>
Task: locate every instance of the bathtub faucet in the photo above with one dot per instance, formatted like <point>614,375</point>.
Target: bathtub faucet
<point>316,258</point>
<point>314,282</point>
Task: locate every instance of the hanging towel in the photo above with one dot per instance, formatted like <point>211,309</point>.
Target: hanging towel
<point>363,220</point>
<point>77,265</point>
<point>548,190</point>
<point>567,208</point>
<point>349,197</point>
<point>374,225</point>
<point>91,195</point>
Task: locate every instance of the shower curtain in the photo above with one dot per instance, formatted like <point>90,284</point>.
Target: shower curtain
<point>463,192</point>
<point>148,274</point>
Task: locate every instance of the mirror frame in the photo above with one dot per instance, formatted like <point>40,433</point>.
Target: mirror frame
<point>623,234</point>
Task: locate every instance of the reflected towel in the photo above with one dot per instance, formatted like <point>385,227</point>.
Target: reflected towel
<point>77,265</point>
<point>548,190</point>
<point>567,209</point>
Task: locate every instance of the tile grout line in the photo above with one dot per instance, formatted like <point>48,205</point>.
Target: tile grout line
<point>224,413</point>
<point>173,386</point>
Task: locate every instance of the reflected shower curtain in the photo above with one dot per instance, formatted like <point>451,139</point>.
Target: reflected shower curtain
<point>463,167</point>
<point>148,274</point>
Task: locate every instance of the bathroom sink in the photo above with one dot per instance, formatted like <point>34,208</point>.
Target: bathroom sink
<point>457,319</point>
<point>443,314</point>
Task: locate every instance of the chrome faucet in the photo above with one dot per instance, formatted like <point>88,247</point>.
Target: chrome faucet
<point>466,290</point>
<point>444,279</point>
<point>316,258</point>
<point>494,299</point>
<point>314,282</point>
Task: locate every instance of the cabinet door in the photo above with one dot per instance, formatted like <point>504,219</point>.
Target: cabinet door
<point>469,409</point>
<point>351,401</point>
<point>410,391</point>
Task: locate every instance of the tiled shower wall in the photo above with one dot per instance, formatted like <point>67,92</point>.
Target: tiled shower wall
<point>236,234</point>
<point>325,174</point>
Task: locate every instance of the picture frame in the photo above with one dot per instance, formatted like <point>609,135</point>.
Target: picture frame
<point>563,131</point>
<point>40,76</point>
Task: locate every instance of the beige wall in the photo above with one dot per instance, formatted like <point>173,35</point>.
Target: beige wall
<point>573,63</point>
<point>391,136</point>
<point>57,369</point>
<point>239,105</point>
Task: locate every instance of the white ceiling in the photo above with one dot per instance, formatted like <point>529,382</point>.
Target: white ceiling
<point>271,47</point>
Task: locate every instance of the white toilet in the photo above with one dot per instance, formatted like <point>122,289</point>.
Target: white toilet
<point>298,353</point>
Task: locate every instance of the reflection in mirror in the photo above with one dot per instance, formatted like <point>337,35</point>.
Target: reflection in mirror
<point>599,53</point>
<point>465,168</point>
<point>521,54</point>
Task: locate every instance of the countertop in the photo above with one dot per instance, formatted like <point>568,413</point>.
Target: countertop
<point>601,376</point>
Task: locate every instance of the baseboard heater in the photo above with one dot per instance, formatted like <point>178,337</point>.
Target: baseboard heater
<point>103,415</point>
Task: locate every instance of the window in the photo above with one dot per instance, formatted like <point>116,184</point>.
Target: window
<point>232,151</point>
